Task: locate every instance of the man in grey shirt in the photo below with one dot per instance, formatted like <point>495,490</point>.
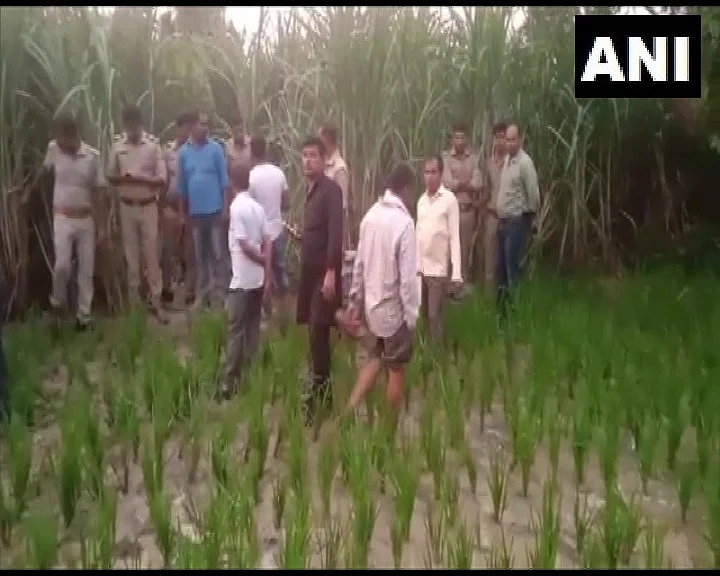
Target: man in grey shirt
<point>269,188</point>
<point>517,203</point>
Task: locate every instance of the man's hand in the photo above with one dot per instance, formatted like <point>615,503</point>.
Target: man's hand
<point>328,287</point>
<point>268,288</point>
<point>464,177</point>
<point>349,321</point>
<point>455,287</point>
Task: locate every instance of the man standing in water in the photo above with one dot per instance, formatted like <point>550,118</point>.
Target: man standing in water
<point>203,185</point>
<point>384,288</point>
<point>461,175</point>
<point>488,214</point>
<point>79,179</point>
<point>137,169</point>
<point>518,202</point>
<point>438,241</point>
<point>320,283</point>
<point>177,240</point>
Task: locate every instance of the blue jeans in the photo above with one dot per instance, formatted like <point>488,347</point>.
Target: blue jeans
<point>209,256</point>
<point>512,237</point>
<point>4,384</point>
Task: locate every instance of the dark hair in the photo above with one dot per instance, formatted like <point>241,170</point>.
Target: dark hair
<point>437,158</point>
<point>314,142</point>
<point>185,117</point>
<point>237,121</point>
<point>240,175</point>
<point>498,127</point>
<point>258,147</point>
<point>132,115</point>
<point>401,177</point>
<point>329,131</point>
<point>516,124</point>
<point>460,127</point>
<point>65,124</point>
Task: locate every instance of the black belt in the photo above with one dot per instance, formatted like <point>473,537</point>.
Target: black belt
<point>138,203</point>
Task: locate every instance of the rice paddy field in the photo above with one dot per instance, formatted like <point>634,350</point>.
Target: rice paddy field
<point>584,432</point>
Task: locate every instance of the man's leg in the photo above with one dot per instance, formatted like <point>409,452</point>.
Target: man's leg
<point>320,393</point>
<point>436,293</point>
<point>188,249</point>
<point>502,266</point>
<point>397,353</point>
<point>149,239</point>
<point>170,242</point>
<point>489,252</point>
<point>219,266</point>
<point>252,324</point>
<point>86,269</point>
<point>202,259</point>
<point>279,262</point>
<point>467,232</point>
<point>235,349</point>
<point>368,371</point>
<point>131,249</point>
<point>4,384</point>
<point>516,247</point>
<point>63,233</point>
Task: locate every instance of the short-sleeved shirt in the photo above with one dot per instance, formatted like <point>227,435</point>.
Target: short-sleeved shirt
<point>144,158</point>
<point>454,164</point>
<point>336,169</point>
<point>75,175</point>
<point>267,184</point>
<point>247,222</point>
<point>202,177</point>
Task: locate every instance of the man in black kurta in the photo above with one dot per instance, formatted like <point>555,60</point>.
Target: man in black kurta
<point>320,285</point>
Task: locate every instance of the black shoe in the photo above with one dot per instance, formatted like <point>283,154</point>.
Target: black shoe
<point>83,326</point>
<point>167,297</point>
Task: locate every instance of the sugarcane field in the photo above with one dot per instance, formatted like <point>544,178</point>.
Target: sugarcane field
<point>352,288</point>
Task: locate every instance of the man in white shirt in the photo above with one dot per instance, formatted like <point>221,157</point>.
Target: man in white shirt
<point>251,259</point>
<point>384,288</point>
<point>269,187</point>
<point>438,240</point>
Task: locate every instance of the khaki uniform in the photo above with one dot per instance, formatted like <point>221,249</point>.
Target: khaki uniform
<point>139,210</point>
<point>488,222</point>
<point>336,169</point>
<point>454,165</point>
<point>76,178</point>
<point>177,238</point>
<point>237,155</point>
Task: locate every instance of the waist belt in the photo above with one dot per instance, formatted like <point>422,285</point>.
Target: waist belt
<point>75,213</point>
<point>143,202</point>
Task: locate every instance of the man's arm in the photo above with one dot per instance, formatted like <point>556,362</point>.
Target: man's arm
<point>267,253</point>
<point>342,179</point>
<point>222,169</point>
<point>356,295</point>
<point>159,180</point>
<point>447,179</point>
<point>49,160</point>
<point>418,252</point>
<point>285,198</point>
<point>334,227</point>
<point>476,181</point>
<point>240,235</point>
<point>409,293</point>
<point>454,225</point>
<point>530,184</point>
<point>182,186</point>
<point>114,176</point>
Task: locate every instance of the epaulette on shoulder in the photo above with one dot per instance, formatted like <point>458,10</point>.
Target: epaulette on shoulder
<point>151,137</point>
<point>91,149</point>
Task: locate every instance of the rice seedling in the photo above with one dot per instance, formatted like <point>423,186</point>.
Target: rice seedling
<point>501,557</point>
<point>460,548</point>
<point>19,461</point>
<point>295,551</point>
<point>654,547</point>
<point>331,544</point>
<point>280,494</point>
<point>547,530</point>
<point>685,486</point>
<point>584,518</point>
<point>436,526</point>
<point>42,540</point>
<point>497,483</point>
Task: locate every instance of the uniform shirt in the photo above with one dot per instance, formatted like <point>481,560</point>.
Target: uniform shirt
<point>75,175</point>
<point>267,185</point>
<point>235,155</point>
<point>337,171</point>
<point>385,272</point>
<point>202,177</point>
<point>438,234</point>
<point>171,164</point>
<point>454,163</point>
<point>519,191</point>
<point>145,158</point>
<point>493,174</point>
<point>247,222</point>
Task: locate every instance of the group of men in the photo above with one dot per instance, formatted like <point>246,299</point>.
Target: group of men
<point>213,214</point>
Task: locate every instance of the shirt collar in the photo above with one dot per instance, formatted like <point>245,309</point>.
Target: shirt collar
<point>331,160</point>
<point>457,154</point>
<point>391,200</point>
<point>440,192</point>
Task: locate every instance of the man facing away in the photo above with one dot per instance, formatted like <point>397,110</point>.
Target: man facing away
<point>320,282</point>
<point>137,169</point>
<point>269,187</point>
<point>461,175</point>
<point>438,240</point>
<point>384,288</point>
<point>518,202</point>
<point>337,170</point>
<point>203,185</point>
<point>488,213</point>
<point>250,247</point>
<point>78,182</point>
<point>177,241</point>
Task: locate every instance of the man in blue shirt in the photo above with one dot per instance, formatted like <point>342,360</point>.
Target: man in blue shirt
<point>203,186</point>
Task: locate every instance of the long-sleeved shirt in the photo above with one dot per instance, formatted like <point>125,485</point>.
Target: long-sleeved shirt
<point>438,234</point>
<point>384,275</point>
<point>455,163</point>
<point>321,245</point>
<point>202,177</point>
<point>519,192</point>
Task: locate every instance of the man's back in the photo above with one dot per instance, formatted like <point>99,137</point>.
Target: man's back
<point>247,222</point>
<point>386,250</point>
<point>267,184</point>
